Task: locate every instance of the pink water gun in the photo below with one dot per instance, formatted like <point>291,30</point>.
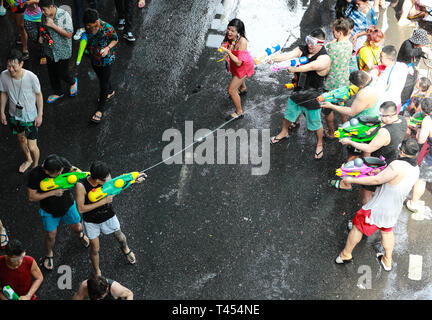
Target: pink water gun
<point>362,167</point>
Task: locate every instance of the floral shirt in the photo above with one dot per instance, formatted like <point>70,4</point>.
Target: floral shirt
<point>341,55</point>
<point>101,39</point>
<point>61,48</point>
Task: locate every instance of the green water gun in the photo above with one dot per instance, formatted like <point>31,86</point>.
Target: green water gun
<point>113,186</point>
<point>63,181</point>
<point>361,129</point>
<point>338,95</point>
<point>416,119</point>
<point>10,293</point>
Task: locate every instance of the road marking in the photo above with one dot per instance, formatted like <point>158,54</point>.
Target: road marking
<point>415,267</point>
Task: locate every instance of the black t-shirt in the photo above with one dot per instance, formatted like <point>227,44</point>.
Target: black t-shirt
<point>407,53</point>
<point>98,215</point>
<point>57,206</point>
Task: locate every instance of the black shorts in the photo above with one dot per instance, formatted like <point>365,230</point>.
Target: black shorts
<point>29,129</point>
<point>371,188</point>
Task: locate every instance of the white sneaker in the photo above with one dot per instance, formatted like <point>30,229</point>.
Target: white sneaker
<point>129,36</point>
<point>121,24</point>
<point>2,11</point>
<point>78,34</point>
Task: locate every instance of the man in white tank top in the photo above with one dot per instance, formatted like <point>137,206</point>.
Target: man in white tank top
<point>383,210</point>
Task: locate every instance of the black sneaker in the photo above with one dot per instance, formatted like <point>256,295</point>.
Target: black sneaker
<point>129,36</point>
<point>121,24</point>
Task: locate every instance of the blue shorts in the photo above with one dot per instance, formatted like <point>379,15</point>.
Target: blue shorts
<point>51,223</point>
<point>313,116</point>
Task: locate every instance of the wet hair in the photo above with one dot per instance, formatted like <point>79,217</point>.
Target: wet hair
<point>424,84</point>
<point>390,52</point>
<point>52,163</point>
<point>359,78</point>
<point>410,147</point>
<point>99,170</point>
<point>318,34</point>
<point>90,16</point>
<point>45,3</point>
<point>341,25</point>
<point>351,23</point>
<point>97,286</point>
<point>426,105</point>
<point>14,248</point>
<point>15,54</point>
<point>388,106</point>
<point>239,25</point>
<point>374,35</point>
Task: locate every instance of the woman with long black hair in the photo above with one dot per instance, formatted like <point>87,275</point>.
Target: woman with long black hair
<point>241,63</point>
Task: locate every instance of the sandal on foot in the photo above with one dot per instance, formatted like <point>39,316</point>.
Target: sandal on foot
<point>52,98</point>
<point>84,240</point>
<point>234,116</point>
<point>339,260</point>
<point>317,154</point>
<point>5,240</point>
<point>50,263</point>
<point>130,257</point>
<point>96,118</point>
<point>242,93</point>
<point>74,90</point>
<point>274,140</point>
<point>336,183</point>
<point>409,208</point>
<point>109,96</point>
<point>141,4</point>
<point>380,257</point>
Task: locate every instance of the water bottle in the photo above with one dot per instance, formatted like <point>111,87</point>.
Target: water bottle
<point>9,293</point>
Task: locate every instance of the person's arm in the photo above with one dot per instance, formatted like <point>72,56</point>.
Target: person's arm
<point>35,196</point>
<point>39,105</point>
<point>3,99</point>
<point>80,194</point>
<point>322,63</point>
<point>49,22</point>
<point>423,133</point>
<point>82,292</point>
<point>295,53</point>
<point>380,140</point>
<point>112,36</point>
<point>388,174</point>
<point>118,291</point>
<point>360,103</point>
<point>242,46</point>
<point>37,281</point>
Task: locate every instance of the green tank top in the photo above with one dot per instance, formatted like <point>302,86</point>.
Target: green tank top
<point>374,110</point>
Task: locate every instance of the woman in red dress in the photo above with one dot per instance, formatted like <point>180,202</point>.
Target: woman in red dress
<point>241,63</point>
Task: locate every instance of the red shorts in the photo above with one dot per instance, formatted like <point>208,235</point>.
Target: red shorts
<point>366,228</point>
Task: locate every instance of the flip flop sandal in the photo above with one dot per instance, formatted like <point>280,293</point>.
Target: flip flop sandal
<point>380,257</point>
<point>411,210</point>
<point>231,117</point>
<point>98,118</point>
<point>6,239</point>
<point>336,184</point>
<point>242,93</point>
<point>51,99</point>
<point>317,154</point>
<point>74,92</point>
<point>50,263</point>
<point>274,140</point>
<point>339,260</point>
<point>85,243</point>
<point>129,257</point>
<point>141,4</point>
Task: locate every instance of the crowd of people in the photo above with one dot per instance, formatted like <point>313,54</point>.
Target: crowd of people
<point>52,28</point>
<point>386,85</point>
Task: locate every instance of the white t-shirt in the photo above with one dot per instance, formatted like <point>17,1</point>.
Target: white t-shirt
<point>391,83</point>
<point>23,91</point>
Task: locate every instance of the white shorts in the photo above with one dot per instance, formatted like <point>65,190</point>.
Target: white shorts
<point>93,230</point>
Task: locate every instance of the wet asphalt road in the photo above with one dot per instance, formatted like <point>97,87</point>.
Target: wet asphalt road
<point>201,231</point>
